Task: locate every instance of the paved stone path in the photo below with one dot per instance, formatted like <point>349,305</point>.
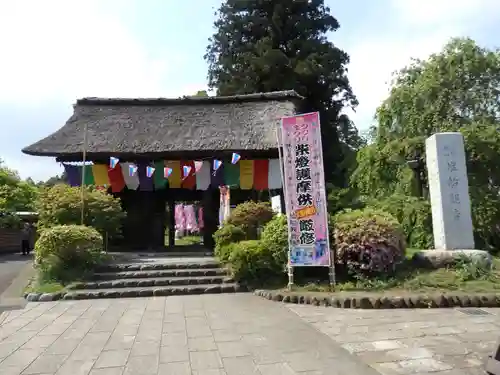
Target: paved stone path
<point>234,334</point>
<point>419,341</point>
<point>15,273</point>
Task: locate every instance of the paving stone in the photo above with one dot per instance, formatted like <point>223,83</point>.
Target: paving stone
<point>201,344</point>
<point>76,367</point>
<point>177,353</point>
<point>209,372</point>
<point>146,348</point>
<point>112,358</point>
<point>276,369</point>
<point>108,371</point>
<point>173,339</point>
<point>142,365</point>
<point>232,349</point>
<point>226,335</point>
<point>240,366</point>
<point>20,358</point>
<point>423,365</point>
<point>120,342</point>
<point>46,363</point>
<point>177,368</point>
<point>205,360</point>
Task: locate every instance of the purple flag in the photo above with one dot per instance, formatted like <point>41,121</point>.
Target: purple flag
<point>145,182</point>
<point>217,176</point>
<point>74,174</point>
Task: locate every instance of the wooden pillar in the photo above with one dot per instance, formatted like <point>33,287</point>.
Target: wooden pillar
<point>210,217</point>
<point>282,199</point>
<point>171,221</point>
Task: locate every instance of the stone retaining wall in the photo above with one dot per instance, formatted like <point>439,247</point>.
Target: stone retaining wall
<point>370,301</point>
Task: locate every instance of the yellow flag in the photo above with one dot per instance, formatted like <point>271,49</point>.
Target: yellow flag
<point>100,172</point>
<point>174,180</point>
<point>246,174</point>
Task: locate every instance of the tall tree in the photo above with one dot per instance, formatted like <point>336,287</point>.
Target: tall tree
<point>457,89</point>
<point>273,45</point>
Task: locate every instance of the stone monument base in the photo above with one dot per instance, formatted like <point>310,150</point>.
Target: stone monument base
<point>444,258</point>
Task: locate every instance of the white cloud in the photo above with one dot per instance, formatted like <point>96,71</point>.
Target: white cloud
<point>63,49</point>
<point>56,51</point>
<point>419,28</point>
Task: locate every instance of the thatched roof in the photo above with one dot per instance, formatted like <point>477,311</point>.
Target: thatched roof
<point>151,127</point>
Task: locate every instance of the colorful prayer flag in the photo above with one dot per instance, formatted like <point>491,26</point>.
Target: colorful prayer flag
<point>186,169</point>
<point>132,169</point>
<point>113,162</point>
<point>217,164</point>
<point>167,172</point>
<point>235,158</point>
<point>149,171</point>
<point>197,166</point>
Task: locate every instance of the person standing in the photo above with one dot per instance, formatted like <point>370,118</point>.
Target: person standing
<point>26,239</point>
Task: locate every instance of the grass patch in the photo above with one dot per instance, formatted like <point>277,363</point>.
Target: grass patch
<point>44,287</point>
<point>463,277</point>
<point>184,241</point>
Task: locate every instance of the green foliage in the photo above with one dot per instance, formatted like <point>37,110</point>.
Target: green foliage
<point>61,205</point>
<point>468,270</point>
<point>275,239</point>
<point>262,46</point>
<point>454,90</point>
<point>415,216</point>
<point>250,216</point>
<point>15,194</point>
<point>68,252</point>
<point>225,236</point>
<point>342,199</point>
<point>368,241</point>
<point>10,221</point>
<point>251,261</point>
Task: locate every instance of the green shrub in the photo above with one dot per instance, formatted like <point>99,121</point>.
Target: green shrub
<point>275,239</point>
<point>251,261</point>
<point>9,220</point>
<point>249,216</point>
<point>415,216</point>
<point>342,199</point>
<point>224,236</point>
<point>61,205</point>
<point>368,241</point>
<point>68,252</point>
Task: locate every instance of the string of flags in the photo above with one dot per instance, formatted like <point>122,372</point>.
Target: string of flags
<point>259,174</point>
<point>167,172</point>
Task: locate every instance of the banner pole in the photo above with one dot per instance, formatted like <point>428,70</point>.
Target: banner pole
<point>84,157</point>
<point>331,268</point>
<point>287,210</point>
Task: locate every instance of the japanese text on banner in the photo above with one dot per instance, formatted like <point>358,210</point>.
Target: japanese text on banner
<point>305,191</point>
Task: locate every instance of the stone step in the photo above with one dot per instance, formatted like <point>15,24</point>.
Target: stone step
<point>147,282</point>
<point>152,291</point>
<point>156,266</point>
<point>150,274</point>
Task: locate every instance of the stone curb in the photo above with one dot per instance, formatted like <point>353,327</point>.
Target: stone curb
<point>127,293</point>
<point>158,273</point>
<point>135,283</point>
<point>415,301</point>
<point>156,266</point>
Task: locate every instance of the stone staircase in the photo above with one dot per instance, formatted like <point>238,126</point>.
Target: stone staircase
<point>143,275</point>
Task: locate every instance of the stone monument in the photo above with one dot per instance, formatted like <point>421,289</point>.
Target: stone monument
<point>450,201</point>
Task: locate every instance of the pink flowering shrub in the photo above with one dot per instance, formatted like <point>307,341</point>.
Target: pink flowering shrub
<point>368,242</point>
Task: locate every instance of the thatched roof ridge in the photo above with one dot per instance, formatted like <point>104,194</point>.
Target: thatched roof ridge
<point>162,127</point>
<point>192,100</point>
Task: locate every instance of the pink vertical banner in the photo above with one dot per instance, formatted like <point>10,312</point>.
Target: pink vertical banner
<point>305,196</point>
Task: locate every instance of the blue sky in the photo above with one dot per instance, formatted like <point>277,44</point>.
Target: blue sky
<point>56,51</point>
